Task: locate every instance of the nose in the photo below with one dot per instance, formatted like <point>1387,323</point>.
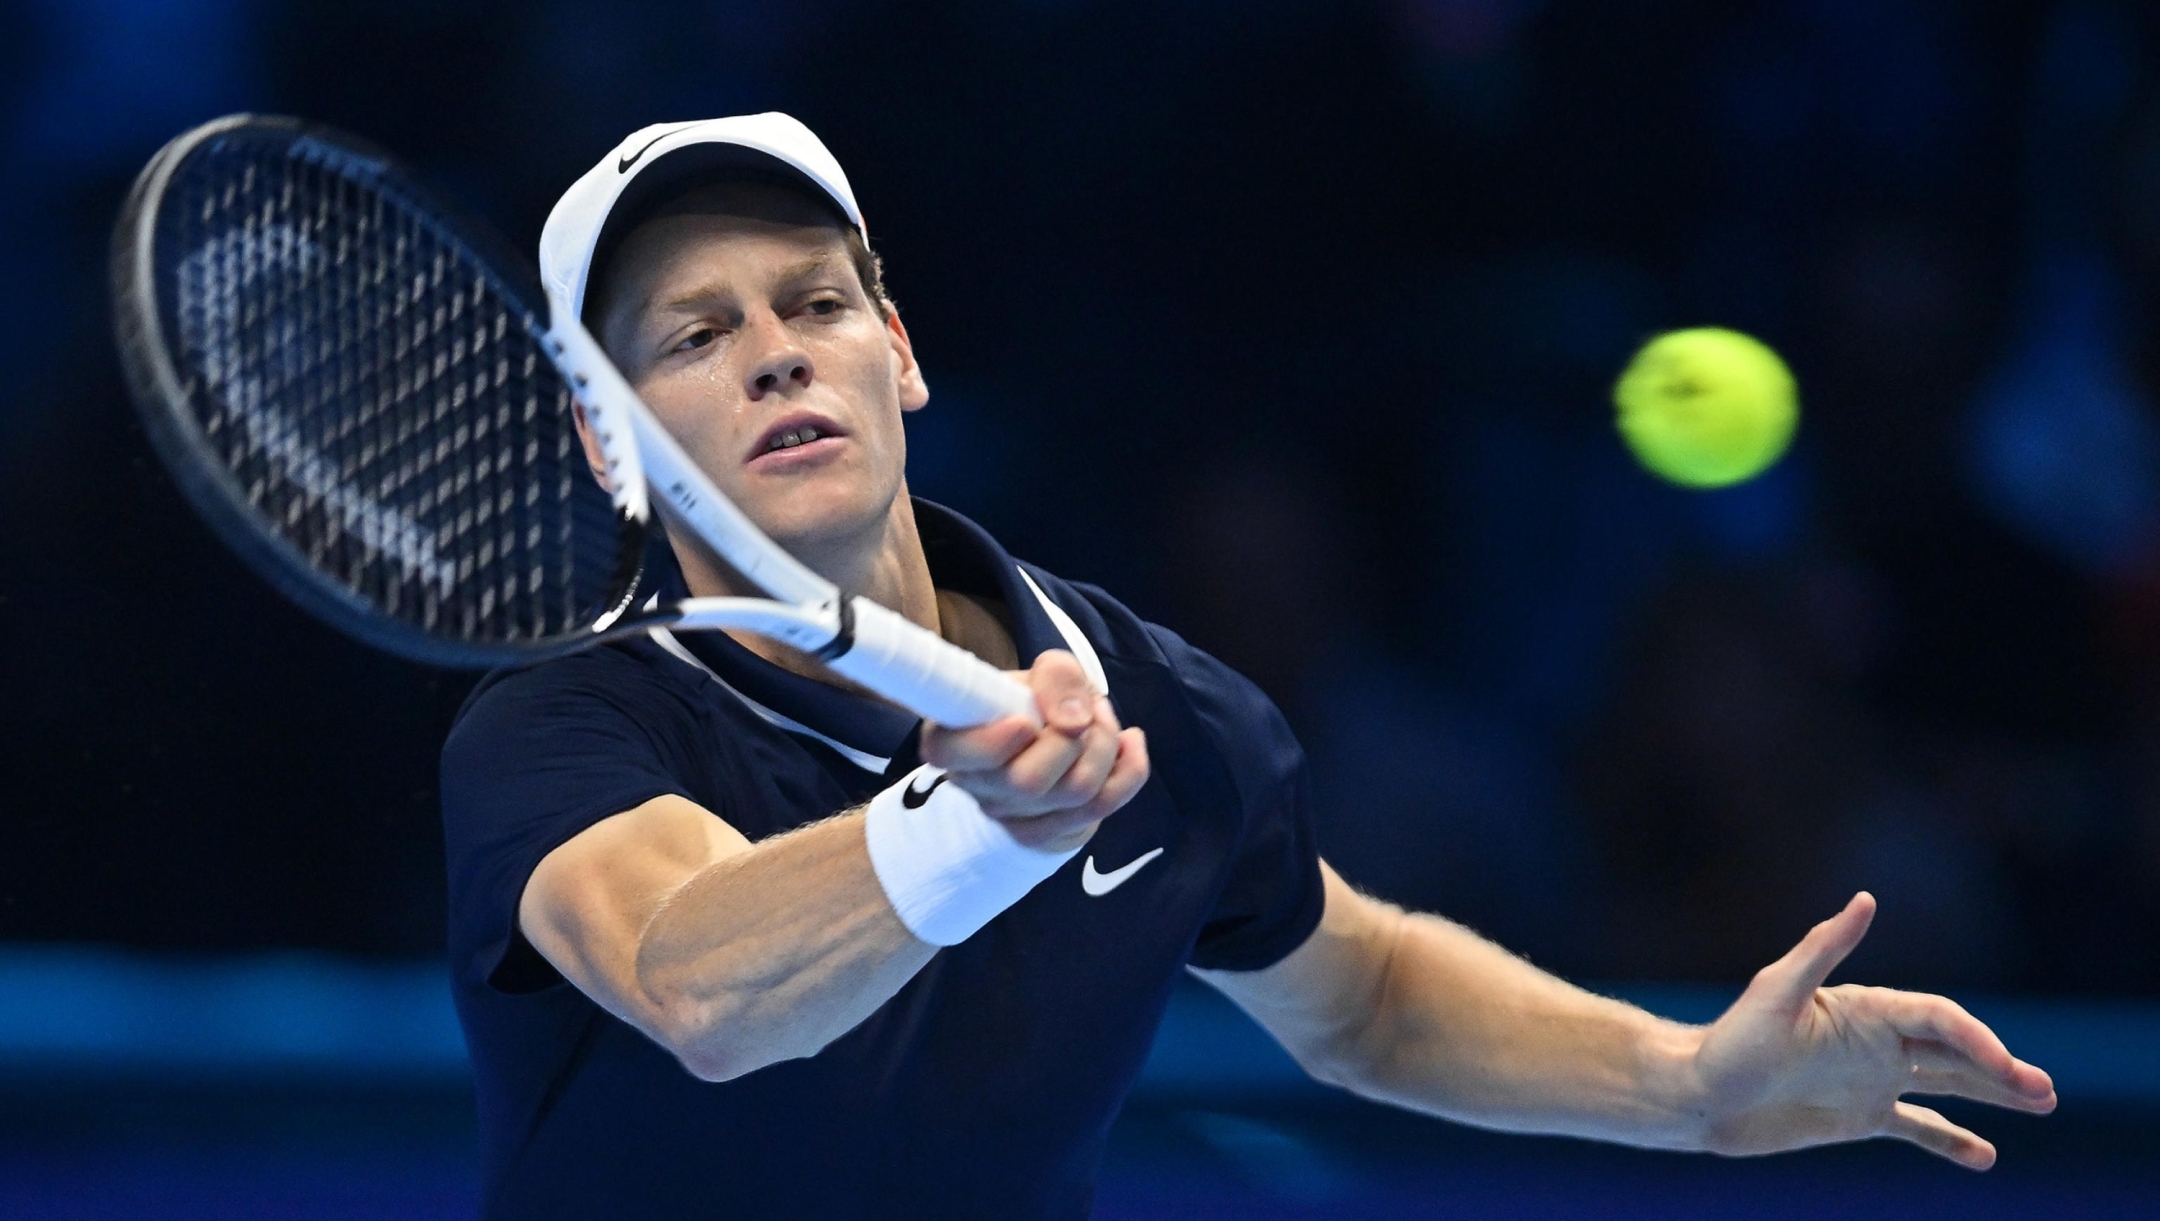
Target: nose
<point>778,361</point>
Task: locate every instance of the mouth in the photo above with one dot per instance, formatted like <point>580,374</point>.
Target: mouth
<point>792,433</point>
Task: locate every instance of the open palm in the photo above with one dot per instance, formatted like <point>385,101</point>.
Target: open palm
<point>1793,1063</point>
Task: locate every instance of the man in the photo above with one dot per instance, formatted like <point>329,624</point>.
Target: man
<point>721,948</point>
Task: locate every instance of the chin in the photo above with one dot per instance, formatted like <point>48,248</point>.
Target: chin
<point>810,519</point>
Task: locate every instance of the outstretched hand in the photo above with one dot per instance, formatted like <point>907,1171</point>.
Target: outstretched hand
<point>1794,1064</point>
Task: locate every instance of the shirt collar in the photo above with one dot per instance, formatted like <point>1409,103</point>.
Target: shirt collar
<point>963,559</point>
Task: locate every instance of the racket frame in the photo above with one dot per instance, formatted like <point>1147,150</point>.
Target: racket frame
<point>858,638</point>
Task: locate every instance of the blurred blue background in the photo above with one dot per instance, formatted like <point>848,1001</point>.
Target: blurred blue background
<point>1293,324</point>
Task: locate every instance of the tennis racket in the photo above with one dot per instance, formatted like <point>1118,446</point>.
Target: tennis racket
<point>360,391</point>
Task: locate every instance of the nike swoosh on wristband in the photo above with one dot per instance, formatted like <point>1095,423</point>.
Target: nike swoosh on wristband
<point>1100,884</point>
<point>912,798</point>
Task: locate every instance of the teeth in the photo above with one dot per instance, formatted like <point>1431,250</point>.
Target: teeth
<point>789,440</point>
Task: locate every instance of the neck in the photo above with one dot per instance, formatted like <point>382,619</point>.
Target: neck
<point>883,562</point>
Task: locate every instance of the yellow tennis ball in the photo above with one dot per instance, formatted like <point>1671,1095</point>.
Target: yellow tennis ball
<point>1708,407</point>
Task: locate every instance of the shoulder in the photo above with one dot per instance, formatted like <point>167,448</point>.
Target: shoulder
<point>540,752</point>
<point>1116,633</point>
<point>626,685</point>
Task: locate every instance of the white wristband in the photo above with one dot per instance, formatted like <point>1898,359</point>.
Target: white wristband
<point>947,866</point>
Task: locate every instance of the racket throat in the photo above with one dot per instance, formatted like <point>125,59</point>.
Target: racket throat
<point>824,631</point>
<point>843,635</point>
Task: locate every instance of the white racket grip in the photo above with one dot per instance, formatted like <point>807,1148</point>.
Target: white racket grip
<point>915,668</point>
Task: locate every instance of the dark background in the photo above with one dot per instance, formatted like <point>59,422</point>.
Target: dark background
<point>1293,324</point>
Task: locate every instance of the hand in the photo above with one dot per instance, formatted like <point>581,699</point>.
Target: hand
<point>1052,785</point>
<point>1794,1064</point>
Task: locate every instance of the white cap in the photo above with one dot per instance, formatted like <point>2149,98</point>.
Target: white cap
<point>601,206</point>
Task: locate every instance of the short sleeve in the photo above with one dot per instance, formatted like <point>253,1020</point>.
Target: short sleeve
<point>536,757</point>
<point>1273,897</point>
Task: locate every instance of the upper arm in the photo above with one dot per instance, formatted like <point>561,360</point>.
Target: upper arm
<point>1319,1000</point>
<point>588,902</point>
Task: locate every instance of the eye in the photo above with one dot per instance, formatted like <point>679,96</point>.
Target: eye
<point>696,339</point>
<point>822,306</point>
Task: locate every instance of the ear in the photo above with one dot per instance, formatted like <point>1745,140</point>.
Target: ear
<point>914,391</point>
<point>595,461</point>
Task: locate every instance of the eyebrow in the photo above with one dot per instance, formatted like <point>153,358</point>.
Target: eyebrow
<point>798,271</point>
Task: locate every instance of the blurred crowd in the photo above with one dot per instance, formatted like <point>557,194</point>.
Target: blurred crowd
<point>1294,324</point>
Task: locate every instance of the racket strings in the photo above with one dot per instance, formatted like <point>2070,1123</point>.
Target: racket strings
<point>380,399</point>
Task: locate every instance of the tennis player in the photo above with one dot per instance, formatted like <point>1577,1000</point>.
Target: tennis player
<point>732,938</point>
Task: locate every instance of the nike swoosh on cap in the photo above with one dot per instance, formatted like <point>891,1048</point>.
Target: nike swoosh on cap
<point>1100,884</point>
<point>623,166</point>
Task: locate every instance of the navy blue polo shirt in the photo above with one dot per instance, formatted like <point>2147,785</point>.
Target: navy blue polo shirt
<point>986,1086</point>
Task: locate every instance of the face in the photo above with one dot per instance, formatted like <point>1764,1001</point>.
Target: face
<point>757,346</point>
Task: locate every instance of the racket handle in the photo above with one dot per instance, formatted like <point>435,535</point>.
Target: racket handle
<point>913,667</point>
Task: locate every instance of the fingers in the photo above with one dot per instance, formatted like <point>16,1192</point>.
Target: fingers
<point>1079,760</point>
<point>1132,772</point>
<point>1062,770</point>
<point>1063,692</point>
<point>1113,768</point>
<point>1943,1038</point>
<point>1929,1130</point>
<point>1129,772</point>
<point>978,749</point>
<point>1061,830</point>
<point>1945,1071</point>
<point>1917,1015</point>
<point>1791,981</point>
<point>1976,1087</point>
<point>1063,696</point>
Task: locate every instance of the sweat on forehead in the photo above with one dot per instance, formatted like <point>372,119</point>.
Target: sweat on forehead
<point>771,202</point>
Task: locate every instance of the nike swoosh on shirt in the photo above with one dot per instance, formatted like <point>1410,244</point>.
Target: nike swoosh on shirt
<point>1100,884</point>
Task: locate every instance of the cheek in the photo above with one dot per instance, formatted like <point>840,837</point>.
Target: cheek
<point>697,404</point>
<point>863,373</point>
<point>882,421</point>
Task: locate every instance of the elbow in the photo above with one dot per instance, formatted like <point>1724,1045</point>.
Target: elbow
<point>1363,1049</point>
<point>701,1032</point>
<point>712,1065</point>
<point>708,1048</point>
<point>716,1038</point>
<point>692,1037</point>
<point>1329,1073</point>
<point>722,1053</point>
<point>1342,1063</point>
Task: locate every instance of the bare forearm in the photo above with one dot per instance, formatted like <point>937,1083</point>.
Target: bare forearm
<point>774,952</point>
<point>1466,1030</point>
<point>1425,1014</point>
